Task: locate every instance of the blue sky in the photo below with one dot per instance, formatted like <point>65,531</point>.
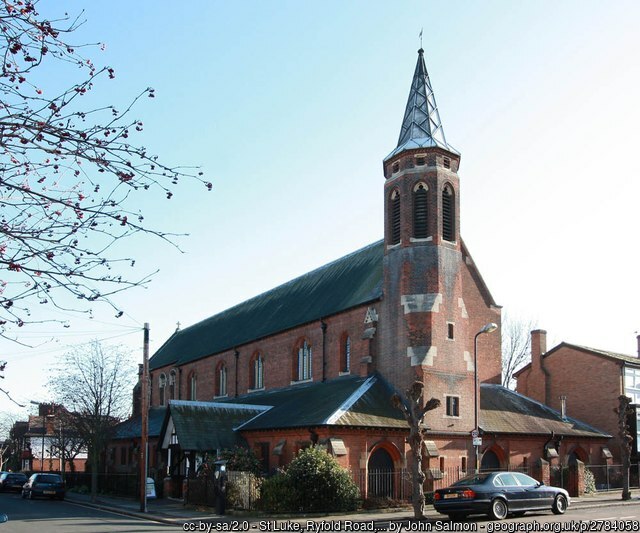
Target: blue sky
<point>290,107</point>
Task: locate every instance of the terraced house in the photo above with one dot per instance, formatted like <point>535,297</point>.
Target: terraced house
<point>317,359</point>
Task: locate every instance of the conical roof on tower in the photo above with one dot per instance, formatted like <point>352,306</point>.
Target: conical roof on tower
<point>421,125</point>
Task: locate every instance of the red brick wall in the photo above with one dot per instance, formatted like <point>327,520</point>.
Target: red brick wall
<point>280,358</point>
<point>590,382</point>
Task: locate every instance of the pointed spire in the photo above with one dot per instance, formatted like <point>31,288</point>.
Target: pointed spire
<point>421,125</point>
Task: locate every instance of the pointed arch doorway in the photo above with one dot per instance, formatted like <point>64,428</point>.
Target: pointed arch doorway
<point>381,474</point>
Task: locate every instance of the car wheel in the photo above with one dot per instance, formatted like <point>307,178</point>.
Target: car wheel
<point>499,509</point>
<point>559,504</point>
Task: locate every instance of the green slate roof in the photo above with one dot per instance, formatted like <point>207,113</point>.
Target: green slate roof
<point>131,428</point>
<point>345,401</point>
<point>505,411</point>
<point>345,283</point>
<point>207,426</point>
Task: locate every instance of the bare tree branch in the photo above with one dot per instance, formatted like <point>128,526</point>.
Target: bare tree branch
<point>69,175</point>
<point>516,346</point>
<point>93,382</point>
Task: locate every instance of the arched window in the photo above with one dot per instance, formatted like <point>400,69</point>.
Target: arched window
<point>394,217</point>
<point>193,385</point>
<point>448,214</point>
<point>221,379</point>
<point>162,384</point>
<point>304,361</point>
<point>257,371</point>
<point>345,353</point>
<point>172,385</point>
<point>420,230</point>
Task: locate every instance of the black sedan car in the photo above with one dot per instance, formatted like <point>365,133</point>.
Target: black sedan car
<point>49,485</point>
<point>499,494</point>
<point>12,481</point>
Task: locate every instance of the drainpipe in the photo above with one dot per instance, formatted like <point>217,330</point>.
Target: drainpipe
<point>323,326</point>
<point>237,354</point>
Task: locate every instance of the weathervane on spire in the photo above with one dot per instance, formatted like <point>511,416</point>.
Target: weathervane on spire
<point>421,37</point>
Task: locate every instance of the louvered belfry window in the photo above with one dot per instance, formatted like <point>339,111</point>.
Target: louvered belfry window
<point>394,217</point>
<point>448,214</point>
<point>420,212</point>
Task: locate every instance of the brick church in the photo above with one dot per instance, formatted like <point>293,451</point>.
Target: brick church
<point>317,359</point>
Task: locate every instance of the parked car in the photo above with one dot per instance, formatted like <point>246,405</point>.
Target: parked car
<point>51,485</point>
<point>499,494</point>
<point>12,481</point>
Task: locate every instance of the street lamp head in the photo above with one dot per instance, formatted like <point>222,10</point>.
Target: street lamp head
<point>489,328</point>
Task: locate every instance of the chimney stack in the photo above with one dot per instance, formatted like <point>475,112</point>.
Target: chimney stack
<point>538,345</point>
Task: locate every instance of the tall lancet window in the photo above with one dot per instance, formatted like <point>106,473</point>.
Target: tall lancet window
<point>257,371</point>
<point>394,217</point>
<point>304,361</point>
<point>162,384</point>
<point>420,230</point>
<point>221,381</point>
<point>448,214</point>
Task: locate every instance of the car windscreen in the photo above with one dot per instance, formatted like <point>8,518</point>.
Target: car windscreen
<point>474,479</point>
<point>49,478</point>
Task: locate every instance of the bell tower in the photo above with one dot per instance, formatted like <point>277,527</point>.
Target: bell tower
<point>424,324</point>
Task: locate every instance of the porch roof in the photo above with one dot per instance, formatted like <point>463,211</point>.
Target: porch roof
<point>205,426</point>
<point>347,401</point>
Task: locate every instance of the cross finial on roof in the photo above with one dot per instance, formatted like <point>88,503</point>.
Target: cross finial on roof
<point>178,325</point>
<point>421,29</point>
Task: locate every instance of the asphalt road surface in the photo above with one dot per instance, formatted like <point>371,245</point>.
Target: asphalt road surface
<point>53,516</point>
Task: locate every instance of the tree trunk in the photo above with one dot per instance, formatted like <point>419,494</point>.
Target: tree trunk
<point>414,411</point>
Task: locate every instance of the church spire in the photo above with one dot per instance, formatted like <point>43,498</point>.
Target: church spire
<point>421,125</point>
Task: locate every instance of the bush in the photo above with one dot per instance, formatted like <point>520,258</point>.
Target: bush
<point>276,494</point>
<point>313,482</point>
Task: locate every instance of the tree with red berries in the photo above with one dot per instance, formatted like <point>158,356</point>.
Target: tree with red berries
<point>69,174</point>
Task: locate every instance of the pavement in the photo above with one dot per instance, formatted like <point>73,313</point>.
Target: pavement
<point>174,511</point>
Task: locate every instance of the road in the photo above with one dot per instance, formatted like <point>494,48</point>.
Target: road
<point>48,516</point>
<point>44,516</point>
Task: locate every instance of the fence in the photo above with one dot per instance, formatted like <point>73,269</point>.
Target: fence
<point>243,490</point>
<point>392,485</point>
<point>118,484</point>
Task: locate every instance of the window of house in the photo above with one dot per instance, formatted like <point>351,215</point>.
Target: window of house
<point>450,331</point>
<point>446,162</point>
<point>257,371</point>
<point>463,464</point>
<point>193,382</point>
<point>221,380</point>
<point>420,211</point>
<point>162,384</point>
<point>453,406</point>
<point>172,385</point>
<point>304,361</point>
<point>448,214</point>
<point>420,161</point>
<point>345,354</point>
<point>394,217</point>
<point>396,167</point>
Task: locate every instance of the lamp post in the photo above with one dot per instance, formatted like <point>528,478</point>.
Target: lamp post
<point>487,328</point>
